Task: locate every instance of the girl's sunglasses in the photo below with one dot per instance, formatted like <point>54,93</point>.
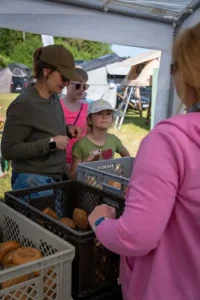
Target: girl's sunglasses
<point>78,85</point>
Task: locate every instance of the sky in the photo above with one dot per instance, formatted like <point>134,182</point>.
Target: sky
<point>126,50</point>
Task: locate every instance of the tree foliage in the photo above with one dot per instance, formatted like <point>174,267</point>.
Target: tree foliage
<point>15,47</point>
<point>3,61</point>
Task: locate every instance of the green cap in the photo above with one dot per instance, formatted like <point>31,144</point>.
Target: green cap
<point>60,58</point>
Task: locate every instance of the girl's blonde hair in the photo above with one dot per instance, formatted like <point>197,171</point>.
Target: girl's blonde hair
<point>186,57</point>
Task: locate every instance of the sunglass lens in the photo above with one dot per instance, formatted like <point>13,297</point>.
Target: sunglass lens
<point>85,87</point>
<point>64,79</point>
<point>78,86</point>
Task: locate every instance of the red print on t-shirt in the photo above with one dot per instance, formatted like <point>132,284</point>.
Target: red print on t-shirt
<point>107,154</point>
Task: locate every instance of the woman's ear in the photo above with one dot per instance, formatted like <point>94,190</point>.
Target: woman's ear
<point>46,72</point>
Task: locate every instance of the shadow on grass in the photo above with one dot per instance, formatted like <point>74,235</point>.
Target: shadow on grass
<point>133,118</point>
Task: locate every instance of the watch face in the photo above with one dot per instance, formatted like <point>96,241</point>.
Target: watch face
<point>52,145</point>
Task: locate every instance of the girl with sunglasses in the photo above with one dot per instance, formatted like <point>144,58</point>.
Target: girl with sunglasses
<point>75,111</point>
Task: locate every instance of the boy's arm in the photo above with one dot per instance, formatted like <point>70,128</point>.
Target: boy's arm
<point>123,151</point>
<point>75,162</point>
<point>120,148</point>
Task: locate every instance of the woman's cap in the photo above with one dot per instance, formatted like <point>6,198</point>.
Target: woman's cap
<point>99,105</point>
<point>60,58</point>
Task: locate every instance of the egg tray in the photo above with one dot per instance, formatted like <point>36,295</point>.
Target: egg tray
<point>94,267</point>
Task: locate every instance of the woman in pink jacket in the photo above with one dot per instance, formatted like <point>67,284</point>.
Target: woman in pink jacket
<point>158,235</point>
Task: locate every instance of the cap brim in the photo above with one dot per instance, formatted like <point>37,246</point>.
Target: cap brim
<point>98,110</point>
<point>69,73</point>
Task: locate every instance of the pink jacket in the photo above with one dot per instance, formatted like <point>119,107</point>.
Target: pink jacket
<point>158,235</point>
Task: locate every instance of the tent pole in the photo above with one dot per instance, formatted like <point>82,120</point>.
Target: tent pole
<point>171,89</point>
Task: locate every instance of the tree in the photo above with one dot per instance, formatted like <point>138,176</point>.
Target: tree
<point>9,39</point>
<point>23,52</point>
<point>84,50</point>
<point>3,61</point>
<point>16,49</point>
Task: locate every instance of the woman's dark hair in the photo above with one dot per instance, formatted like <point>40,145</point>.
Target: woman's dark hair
<point>39,65</point>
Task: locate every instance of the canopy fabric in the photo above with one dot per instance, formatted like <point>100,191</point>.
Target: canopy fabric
<point>172,5</point>
<point>51,18</point>
<point>160,10</point>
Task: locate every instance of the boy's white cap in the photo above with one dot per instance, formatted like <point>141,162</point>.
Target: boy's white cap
<point>99,105</point>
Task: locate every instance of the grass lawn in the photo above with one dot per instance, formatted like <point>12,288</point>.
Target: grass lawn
<point>132,132</point>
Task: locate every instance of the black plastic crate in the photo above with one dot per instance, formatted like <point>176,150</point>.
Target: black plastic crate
<point>94,267</point>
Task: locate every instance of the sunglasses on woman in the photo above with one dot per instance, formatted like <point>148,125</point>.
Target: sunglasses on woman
<point>79,85</point>
<point>173,68</point>
<point>64,79</point>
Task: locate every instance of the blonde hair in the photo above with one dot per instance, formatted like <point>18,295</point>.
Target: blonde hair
<point>82,73</point>
<point>186,57</point>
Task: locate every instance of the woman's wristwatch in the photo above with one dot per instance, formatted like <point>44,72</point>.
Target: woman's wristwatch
<point>97,223</point>
<point>52,145</point>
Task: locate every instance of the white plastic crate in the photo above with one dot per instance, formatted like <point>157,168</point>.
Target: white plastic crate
<point>54,280</point>
<point>99,173</point>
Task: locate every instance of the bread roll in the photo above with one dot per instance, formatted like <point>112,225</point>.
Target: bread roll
<point>80,218</point>
<point>115,184</point>
<point>8,258</point>
<point>68,222</point>
<point>24,255</point>
<point>18,294</point>
<point>8,283</point>
<point>50,285</point>
<point>6,247</point>
<point>49,212</point>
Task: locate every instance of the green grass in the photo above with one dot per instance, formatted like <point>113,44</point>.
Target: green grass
<point>132,132</point>
<point>5,100</point>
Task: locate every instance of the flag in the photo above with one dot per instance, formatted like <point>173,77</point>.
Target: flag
<point>47,40</point>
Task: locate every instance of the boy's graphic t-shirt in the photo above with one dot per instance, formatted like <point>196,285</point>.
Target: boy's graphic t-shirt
<point>84,148</point>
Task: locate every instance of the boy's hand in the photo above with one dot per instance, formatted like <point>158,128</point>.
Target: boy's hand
<point>92,158</point>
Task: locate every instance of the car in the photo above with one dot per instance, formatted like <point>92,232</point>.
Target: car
<point>145,95</point>
<point>20,77</point>
<point>145,100</point>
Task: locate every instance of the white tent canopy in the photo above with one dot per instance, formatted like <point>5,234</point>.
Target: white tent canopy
<point>150,60</point>
<point>146,24</point>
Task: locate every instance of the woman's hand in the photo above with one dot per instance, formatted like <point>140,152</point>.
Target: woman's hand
<point>61,142</point>
<point>103,210</point>
<point>74,131</point>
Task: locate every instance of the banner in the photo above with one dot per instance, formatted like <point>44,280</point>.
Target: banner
<point>47,40</point>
